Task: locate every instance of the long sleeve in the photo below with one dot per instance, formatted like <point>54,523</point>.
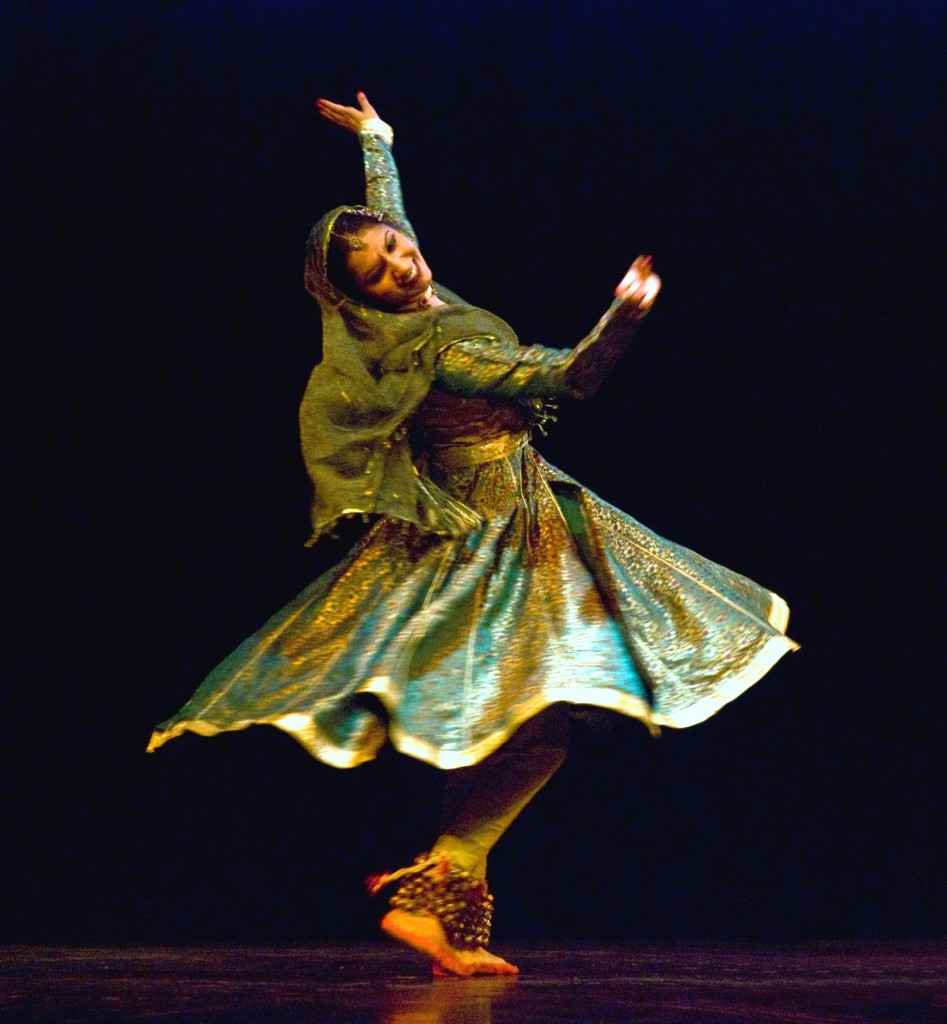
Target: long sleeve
<point>491,367</point>
<point>488,367</point>
<point>382,183</point>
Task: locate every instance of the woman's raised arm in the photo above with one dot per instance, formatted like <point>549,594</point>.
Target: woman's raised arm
<point>382,184</point>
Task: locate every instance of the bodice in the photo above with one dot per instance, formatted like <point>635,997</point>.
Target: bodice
<point>456,431</point>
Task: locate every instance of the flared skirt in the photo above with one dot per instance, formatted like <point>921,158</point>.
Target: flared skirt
<point>444,646</point>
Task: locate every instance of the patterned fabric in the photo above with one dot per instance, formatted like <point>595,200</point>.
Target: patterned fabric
<point>377,367</point>
<point>557,597</point>
<point>444,635</point>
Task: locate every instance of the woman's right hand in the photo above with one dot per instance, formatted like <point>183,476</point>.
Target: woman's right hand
<point>349,118</point>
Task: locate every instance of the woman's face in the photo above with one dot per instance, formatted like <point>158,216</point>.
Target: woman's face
<point>390,272</point>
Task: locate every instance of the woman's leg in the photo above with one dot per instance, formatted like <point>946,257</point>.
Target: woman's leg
<point>480,803</point>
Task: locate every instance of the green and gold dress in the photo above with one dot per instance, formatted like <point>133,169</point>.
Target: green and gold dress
<point>491,585</point>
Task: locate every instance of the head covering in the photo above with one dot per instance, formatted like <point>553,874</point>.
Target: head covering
<point>376,369</point>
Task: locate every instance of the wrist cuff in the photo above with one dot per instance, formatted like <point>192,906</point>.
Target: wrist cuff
<point>375,126</point>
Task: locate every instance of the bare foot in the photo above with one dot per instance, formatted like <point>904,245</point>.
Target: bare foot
<point>424,933</point>
<point>479,961</point>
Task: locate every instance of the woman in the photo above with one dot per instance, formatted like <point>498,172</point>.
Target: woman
<point>494,591</point>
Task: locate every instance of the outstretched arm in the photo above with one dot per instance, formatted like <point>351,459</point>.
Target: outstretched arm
<point>592,359</point>
<point>382,184</point>
<point>489,368</point>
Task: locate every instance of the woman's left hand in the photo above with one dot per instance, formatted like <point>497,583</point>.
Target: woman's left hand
<point>349,118</point>
<point>593,358</point>
<point>639,287</point>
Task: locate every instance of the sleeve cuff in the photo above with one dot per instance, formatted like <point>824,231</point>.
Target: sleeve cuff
<point>375,126</point>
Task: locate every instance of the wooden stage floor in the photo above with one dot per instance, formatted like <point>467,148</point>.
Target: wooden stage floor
<point>810,984</point>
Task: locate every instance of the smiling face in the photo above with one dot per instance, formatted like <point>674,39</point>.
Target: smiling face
<point>389,272</point>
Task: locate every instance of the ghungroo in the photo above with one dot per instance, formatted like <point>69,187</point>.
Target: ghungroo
<point>433,885</point>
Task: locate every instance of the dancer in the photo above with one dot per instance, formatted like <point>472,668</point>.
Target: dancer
<point>493,592</point>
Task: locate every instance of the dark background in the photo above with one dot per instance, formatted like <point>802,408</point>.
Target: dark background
<point>781,161</point>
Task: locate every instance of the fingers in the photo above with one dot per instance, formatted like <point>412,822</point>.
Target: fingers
<point>641,293</point>
<point>348,118</point>
<point>367,109</point>
<point>639,287</point>
<point>336,110</point>
<point>345,117</point>
<point>637,272</point>
<point>651,288</point>
<point>327,106</point>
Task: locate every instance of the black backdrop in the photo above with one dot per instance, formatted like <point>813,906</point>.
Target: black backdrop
<point>779,413</point>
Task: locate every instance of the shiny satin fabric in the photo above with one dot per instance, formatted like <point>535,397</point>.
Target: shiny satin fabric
<point>493,585</point>
<point>445,645</point>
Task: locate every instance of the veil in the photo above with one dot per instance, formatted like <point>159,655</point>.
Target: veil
<point>376,369</point>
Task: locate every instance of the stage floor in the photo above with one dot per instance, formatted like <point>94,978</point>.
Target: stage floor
<point>811,984</point>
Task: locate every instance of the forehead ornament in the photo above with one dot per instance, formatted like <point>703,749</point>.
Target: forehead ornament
<point>351,243</point>
<point>354,243</point>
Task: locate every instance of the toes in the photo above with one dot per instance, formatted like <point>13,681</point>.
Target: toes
<point>461,970</point>
<point>483,962</point>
